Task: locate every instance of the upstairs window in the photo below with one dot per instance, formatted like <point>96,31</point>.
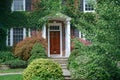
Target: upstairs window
<point>18,5</point>
<point>89,5</point>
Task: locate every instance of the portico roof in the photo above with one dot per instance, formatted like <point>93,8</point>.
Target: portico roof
<point>58,16</point>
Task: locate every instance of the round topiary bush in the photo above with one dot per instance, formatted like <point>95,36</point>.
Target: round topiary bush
<point>43,69</point>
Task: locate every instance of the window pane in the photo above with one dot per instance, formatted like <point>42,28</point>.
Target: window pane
<point>89,5</point>
<point>54,28</point>
<point>18,5</point>
<point>17,35</point>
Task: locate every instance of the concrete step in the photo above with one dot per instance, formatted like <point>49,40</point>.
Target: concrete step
<point>61,60</point>
<point>63,66</point>
<point>66,74</point>
<point>63,63</point>
<point>67,78</point>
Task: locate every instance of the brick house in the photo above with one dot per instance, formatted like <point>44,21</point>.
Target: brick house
<point>57,32</point>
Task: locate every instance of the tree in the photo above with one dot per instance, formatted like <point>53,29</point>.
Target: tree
<point>108,27</point>
<point>5,8</point>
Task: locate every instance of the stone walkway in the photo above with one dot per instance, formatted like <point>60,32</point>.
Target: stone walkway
<point>2,74</point>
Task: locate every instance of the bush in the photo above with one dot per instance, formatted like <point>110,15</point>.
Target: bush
<point>16,63</point>
<point>38,51</point>
<point>86,64</point>
<point>43,69</point>
<point>23,48</point>
<point>6,56</point>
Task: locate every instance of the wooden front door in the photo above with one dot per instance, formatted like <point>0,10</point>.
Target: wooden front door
<point>54,42</point>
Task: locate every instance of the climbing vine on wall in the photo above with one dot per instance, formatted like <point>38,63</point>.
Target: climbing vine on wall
<point>42,8</point>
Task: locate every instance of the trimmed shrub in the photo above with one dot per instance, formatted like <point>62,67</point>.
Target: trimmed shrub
<point>86,64</point>
<point>16,63</point>
<point>6,56</point>
<point>38,51</point>
<point>43,69</point>
<point>23,48</point>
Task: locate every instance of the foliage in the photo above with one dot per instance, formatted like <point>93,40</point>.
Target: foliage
<point>43,8</point>
<point>2,37</point>
<point>16,63</point>
<point>102,28</point>
<point>17,19</point>
<point>86,64</point>
<point>43,69</point>
<point>23,48</point>
<point>108,28</point>
<point>38,51</point>
<point>6,56</point>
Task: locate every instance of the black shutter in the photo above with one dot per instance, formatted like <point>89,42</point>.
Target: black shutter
<point>28,5</point>
<point>81,5</point>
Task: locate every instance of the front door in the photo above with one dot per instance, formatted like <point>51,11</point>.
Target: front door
<point>54,42</point>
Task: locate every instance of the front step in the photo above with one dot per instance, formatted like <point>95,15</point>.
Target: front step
<point>67,78</point>
<point>64,66</point>
<point>60,60</point>
<point>63,63</point>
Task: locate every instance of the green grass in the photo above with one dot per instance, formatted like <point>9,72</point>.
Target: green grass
<point>11,70</point>
<point>11,77</point>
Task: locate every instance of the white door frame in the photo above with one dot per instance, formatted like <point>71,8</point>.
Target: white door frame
<point>60,26</point>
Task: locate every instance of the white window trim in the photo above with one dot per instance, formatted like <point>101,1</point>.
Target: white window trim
<point>11,37</point>
<point>80,35</point>
<point>54,24</point>
<point>24,33</point>
<point>7,39</point>
<point>86,10</point>
<point>24,6</point>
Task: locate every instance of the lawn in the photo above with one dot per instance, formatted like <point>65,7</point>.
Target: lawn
<point>11,77</point>
<point>11,70</point>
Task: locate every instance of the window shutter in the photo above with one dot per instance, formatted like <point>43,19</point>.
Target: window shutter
<point>28,5</point>
<point>81,5</point>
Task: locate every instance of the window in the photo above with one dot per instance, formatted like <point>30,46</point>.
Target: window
<point>89,5</point>
<point>54,28</point>
<point>18,5</point>
<point>15,35</point>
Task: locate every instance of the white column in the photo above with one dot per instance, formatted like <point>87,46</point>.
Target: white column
<point>67,39</point>
<point>11,37</point>
<point>44,31</point>
<point>24,33</point>
<point>29,33</point>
